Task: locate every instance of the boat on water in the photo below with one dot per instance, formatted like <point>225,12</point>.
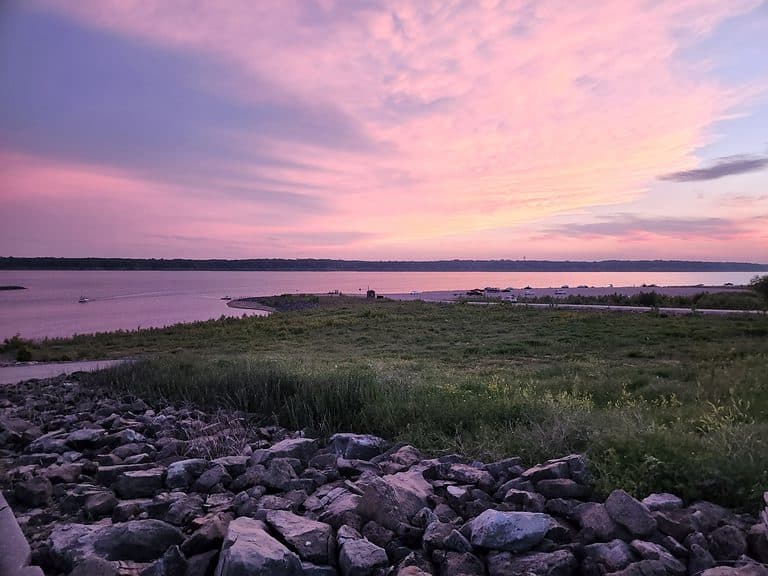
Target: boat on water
<point>83,300</point>
<point>226,297</point>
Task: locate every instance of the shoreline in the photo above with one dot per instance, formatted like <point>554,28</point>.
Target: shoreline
<point>537,292</point>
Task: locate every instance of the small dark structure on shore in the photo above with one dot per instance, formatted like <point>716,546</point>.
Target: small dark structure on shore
<point>370,293</point>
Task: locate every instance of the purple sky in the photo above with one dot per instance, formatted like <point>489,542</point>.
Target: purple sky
<point>372,129</point>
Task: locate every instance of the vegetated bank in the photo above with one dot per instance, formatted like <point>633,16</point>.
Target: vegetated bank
<point>730,300</point>
<point>104,483</point>
<point>676,404</point>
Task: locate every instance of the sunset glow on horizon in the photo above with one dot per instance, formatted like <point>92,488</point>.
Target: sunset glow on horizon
<point>385,130</point>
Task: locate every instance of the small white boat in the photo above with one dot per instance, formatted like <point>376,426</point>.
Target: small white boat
<point>83,300</point>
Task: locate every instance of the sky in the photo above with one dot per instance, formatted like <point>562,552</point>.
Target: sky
<point>372,129</point>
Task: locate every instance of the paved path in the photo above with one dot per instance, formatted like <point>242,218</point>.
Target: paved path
<point>15,373</point>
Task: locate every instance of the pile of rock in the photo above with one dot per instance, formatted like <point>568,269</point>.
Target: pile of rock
<point>102,485</point>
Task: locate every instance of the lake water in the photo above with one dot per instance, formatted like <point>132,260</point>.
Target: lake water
<point>133,299</point>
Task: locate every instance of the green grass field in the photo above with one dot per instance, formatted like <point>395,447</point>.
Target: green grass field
<point>677,403</point>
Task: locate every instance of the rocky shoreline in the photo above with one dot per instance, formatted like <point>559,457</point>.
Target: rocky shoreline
<point>106,485</point>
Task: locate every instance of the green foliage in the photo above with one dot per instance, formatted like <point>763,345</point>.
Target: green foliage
<point>727,300</point>
<point>17,348</point>
<point>760,285</point>
<point>677,404</point>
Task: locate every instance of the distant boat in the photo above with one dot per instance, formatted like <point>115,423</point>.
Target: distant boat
<point>83,300</point>
<point>226,297</point>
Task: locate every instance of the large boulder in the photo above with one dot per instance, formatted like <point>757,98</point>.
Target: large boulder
<point>136,540</point>
<point>652,551</point>
<point>509,531</point>
<point>357,446</point>
<point>300,448</point>
<point>86,438</point>
<point>558,563</point>
<point>183,473</point>
<point>394,499</point>
<point>139,483</point>
<point>606,557</point>
<point>312,540</point>
<point>361,558</point>
<point>70,544</point>
<point>458,472</point>
<point>630,513</point>
<point>661,502</point>
<point>249,550</point>
<point>34,492</point>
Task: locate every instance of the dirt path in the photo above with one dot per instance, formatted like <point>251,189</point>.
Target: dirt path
<point>14,373</point>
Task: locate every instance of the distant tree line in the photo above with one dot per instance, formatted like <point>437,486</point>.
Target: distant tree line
<point>329,265</point>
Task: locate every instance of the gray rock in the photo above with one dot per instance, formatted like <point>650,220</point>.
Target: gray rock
<point>70,544</point>
<point>606,557</point>
<point>757,537</point>
<point>86,438</point>
<point>436,534</point>
<point>727,543</point>
<point>630,513</point>
<point>508,531</point>
<point>558,563</point>
<point>361,558</point>
<point>172,563</point>
<point>461,473</point>
<point>36,491</point>
<point>454,563</point>
<point>309,569</point>
<point>547,471</point>
<point>208,480</point>
<point>98,504</point>
<point>561,488</point>
<point>312,540</point>
<point>457,542</point>
<point>235,465</point>
<point>594,518</point>
<point>357,446</point>
<point>183,473</point>
<point>747,570</point>
<point>95,566</point>
<point>136,540</point>
<point>209,536</point>
<point>395,498</point>
<point>107,475</point>
<point>202,564</point>
<point>139,483</point>
<point>376,533</point>
<point>643,568</point>
<point>63,473</point>
<point>662,502</point>
<point>651,551</point>
<point>249,550</point>
<point>184,510</point>
<point>300,448</point>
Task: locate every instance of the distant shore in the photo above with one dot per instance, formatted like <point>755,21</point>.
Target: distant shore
<point>537,292</point>
<point>333,265</point>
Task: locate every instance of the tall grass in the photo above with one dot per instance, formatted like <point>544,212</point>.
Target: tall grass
<point>715,450</point>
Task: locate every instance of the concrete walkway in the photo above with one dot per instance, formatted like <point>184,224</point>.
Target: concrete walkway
<point>15,373</point>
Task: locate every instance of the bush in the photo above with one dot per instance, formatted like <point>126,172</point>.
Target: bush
<point>760,285</point>
<point>23,354</point>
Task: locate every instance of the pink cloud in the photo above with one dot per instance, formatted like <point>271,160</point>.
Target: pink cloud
<point>487,115</point>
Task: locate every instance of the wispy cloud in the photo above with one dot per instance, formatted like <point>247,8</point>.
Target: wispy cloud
<point>722,167</point>
<point>628,226</point>
<point>418,122</point>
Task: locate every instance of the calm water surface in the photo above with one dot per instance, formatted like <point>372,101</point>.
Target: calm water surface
<point>132,299</point>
